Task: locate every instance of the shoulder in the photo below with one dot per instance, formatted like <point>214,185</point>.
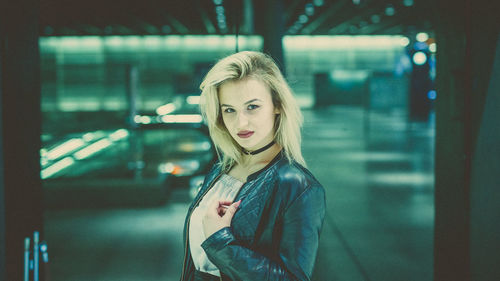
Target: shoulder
<point>294,180</point>
<point>214,171</point>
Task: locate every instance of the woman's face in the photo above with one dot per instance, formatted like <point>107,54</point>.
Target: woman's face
<point>248,112</point>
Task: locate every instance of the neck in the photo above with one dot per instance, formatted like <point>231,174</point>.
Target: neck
<point>263,157</point>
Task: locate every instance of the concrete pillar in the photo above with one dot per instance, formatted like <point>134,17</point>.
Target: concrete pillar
<point>485,184</point>
<point>466,33</point>
<point>274,30</point>
<point>20,128</point>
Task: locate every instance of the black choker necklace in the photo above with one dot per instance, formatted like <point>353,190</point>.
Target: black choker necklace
<point>258,150</point>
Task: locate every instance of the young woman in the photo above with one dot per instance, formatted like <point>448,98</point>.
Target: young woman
<point>259,212</point>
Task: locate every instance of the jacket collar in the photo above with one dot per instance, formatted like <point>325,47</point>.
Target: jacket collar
<point>276,158</point>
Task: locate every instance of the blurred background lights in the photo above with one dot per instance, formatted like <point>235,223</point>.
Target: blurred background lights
<point>432,47</point>
<point>309,9</point>
<point>219,9</point>
<point>165,109</point>
<point>92,149</point>
<point>389,10</point>
<point>64,148</point>
<point>419,58</point>
<point>375,18</point>
<point>408,3</point>
<point>152,41</point>
<point>114,41</point>
<point>56,167</point>
<point>318,3</point>
<point>193,99</point>
<point>404,41</point>
<point>303,19</point>
<point>142,119</point>
<point>119,134</point>
<point>431,94</point>
<point>356,2</point>
<point>166,168</point>
<point>419,46</point>
<point>182,118</point>
<point>422,37</point>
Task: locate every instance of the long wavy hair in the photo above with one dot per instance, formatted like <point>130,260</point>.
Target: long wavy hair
<point>262,67</point>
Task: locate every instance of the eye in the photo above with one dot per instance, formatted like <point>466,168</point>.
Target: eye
<point>228,110</point>
<point>252,106</point>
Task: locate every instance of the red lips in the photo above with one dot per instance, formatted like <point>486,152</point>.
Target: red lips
<point>245,134</point>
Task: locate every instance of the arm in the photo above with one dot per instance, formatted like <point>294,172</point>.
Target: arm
<point>301,227</point>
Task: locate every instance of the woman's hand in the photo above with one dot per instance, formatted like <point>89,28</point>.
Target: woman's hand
<point>219,215</point>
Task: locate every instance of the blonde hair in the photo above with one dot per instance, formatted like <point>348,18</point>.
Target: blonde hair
<point>263,68</point>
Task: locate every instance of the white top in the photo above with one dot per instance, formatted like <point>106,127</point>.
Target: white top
<point>225,189</point>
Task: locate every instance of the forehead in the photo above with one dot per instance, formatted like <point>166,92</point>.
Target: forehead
<point>240,91</point>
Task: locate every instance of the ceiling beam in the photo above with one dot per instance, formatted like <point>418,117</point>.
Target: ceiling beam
<point>209,26</point>
<point>341,24</point>
<point>383,25</point>
<point>181,28</point>
<point>329,12</point>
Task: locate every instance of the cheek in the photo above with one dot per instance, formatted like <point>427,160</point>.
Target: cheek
<point>227,122</point>
<point>267,121</point>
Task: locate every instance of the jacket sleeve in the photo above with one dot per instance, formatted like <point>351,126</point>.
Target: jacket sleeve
<point>302,222</point>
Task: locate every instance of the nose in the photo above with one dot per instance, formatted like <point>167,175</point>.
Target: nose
<point>242,120</point>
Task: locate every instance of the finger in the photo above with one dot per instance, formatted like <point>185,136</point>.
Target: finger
<point>223,206</point>
<point>228,216</point>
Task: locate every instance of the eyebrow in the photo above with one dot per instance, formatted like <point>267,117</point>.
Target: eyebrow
<point>250,101</point>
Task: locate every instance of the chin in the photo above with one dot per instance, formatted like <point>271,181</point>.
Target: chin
<point>247,144</point>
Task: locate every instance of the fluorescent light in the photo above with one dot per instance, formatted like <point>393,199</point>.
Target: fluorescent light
<point>165,109</point>
<point>92,149</point>
<point>403,178</point>
<point>142,119</point>
<point>64,148</point>
<point>88,137</point>
<point>341,42</point>
<point>56,167</point>
<point>133,41</point>
<point>376,156</point>
<point>114,41</point>
<point>404,41</point>
<point>118,135</point>
<point>182,118</point>
<point>152,41</point>
<point>193,99</point>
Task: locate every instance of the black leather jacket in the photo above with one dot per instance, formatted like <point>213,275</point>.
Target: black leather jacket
<point>274,234</point>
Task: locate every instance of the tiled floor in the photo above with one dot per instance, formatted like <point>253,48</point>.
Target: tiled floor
<point>377,170</point>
